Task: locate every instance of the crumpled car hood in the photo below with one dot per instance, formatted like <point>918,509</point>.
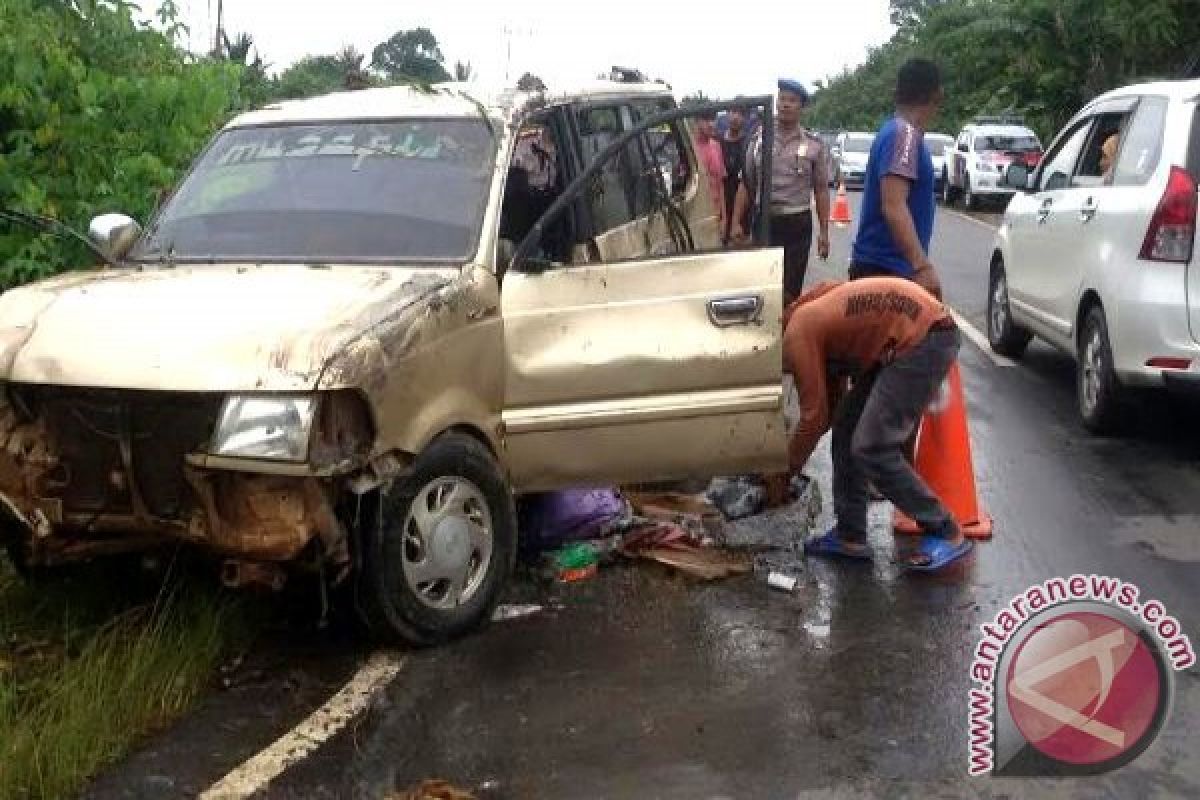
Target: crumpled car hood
<point>200,328</point>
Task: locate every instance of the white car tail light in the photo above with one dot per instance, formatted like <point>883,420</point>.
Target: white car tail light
<point>1173,226</point>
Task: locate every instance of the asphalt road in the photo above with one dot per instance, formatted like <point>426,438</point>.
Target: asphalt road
<point>637,684</point>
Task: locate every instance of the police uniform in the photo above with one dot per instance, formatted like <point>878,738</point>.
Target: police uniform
<point>798,168</point>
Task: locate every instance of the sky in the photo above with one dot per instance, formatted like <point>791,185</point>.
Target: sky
<point>723,49</point>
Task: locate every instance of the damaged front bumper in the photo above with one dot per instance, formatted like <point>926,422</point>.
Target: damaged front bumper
<point>87,472</point>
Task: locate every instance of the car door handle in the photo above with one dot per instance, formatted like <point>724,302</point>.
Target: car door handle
<point>1087,211</point>
<point>741,310</point>
<point>1043,213</point>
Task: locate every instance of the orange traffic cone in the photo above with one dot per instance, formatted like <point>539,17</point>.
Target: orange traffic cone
<point>841,207</point>
<point>944,461</point>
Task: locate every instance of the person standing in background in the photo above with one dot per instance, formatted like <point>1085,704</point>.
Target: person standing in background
<point>898,200</point>
<point>799,180</point>
<point>733,146</point>
<point>708,150</point>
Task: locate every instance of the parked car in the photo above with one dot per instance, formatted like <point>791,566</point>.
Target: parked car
<point>851,152</point>
<point>975,168</point>
<point>364,321</point>
<point>829,141</point>
<point>1102,264</point>
<point>939,144</point>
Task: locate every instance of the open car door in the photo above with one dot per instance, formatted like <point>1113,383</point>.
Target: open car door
<point>635,364</point>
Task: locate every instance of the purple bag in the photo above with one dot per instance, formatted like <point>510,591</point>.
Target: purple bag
<point>549,518</point>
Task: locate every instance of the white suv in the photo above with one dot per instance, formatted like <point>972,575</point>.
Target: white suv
<point>1098,260</point>
<point>974,169</point>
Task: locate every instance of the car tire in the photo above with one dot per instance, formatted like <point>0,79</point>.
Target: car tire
<point>970,199</point>
<point>948,193</point>
<point>436,555</point>
<point>1100,396</point>
<point>1004,335</point>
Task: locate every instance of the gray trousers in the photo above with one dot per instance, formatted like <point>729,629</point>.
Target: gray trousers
<point>871,426</point>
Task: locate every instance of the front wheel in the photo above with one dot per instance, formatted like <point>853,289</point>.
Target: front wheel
<point>1004,335</point>
<point>437,554</point>
<point>970,199</point>
<point>1099,392</point>
<point>947,190</point>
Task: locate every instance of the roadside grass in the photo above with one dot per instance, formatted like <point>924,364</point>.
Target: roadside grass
<point>92,662</point>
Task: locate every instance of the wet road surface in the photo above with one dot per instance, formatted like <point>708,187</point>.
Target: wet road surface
<point>638,684</point>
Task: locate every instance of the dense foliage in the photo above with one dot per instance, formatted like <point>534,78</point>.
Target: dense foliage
<point>1040,58</point>
<point>97,113</point>
<point>100,112</point>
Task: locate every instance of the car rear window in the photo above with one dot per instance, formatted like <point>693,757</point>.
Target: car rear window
<point>858,144</point>
<point>1142,148</point>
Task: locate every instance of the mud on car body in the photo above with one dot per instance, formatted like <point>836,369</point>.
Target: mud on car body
<point>357,329</point>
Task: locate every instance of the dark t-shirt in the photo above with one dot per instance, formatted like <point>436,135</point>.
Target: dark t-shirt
<point>734,151</point>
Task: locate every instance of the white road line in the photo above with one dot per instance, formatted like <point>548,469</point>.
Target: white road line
<point>351,701</point>
<point>979,340</point>
<point>969,218</point>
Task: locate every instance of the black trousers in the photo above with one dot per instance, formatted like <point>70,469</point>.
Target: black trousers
<point>793,232</point>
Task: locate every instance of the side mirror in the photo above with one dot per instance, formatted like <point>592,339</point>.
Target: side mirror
<point>1017,176</point>
<point>114,234</point>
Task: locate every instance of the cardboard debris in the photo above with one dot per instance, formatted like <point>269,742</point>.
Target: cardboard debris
<point>694,513</point>
<point>675,547</point>
<point>432,790</point>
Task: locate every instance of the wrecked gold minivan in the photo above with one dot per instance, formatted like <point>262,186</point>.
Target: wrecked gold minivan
<point>363,322</point>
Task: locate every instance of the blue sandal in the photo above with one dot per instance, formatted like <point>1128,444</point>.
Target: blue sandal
<point>830,544</point>
<point>940,551</point>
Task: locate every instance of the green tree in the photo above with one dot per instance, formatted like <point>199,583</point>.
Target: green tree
<point>411,56</point>
<point>311,76</point>
<point>530,83</point>
<point>98,112</point>
<point>256,87</point>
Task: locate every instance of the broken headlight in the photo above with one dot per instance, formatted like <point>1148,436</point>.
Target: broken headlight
<point>274,427</point>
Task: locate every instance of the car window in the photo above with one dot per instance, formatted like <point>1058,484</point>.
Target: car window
<point>858,144</point>
<point>1141,145</point>
<point>1091,171</point>
<point>662,148</point>
<point>609,198</point>
<point>1059,166</point>
<point>936,146</point>
<point>407,191</point>
<point>1006,143</point>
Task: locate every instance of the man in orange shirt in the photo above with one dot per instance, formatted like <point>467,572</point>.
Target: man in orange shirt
<point>899,341</point>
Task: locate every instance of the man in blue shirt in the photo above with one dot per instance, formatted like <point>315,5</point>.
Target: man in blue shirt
<point>898,203</point>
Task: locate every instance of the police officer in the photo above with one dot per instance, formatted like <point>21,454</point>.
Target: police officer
<point>799,179</point>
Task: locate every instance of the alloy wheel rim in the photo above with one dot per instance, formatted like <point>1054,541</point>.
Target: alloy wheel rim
<point>999,307</point>
<point>1093,367</point>
<point>447,543</point>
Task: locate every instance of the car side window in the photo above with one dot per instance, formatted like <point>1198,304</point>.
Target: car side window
<point>663,148</point>
<point>609,198</point>
<point>1060,164</point>
<point>1091,171</point>
<point>1141,145</point>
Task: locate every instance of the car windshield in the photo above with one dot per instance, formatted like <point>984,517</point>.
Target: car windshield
<point>379,192</point>
<point>1007,144</point>
<point>858,144</point>
<point>937,146</point>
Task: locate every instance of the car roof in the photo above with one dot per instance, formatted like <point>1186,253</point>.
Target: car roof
<point>441,100</point>
<point>1176,90</point>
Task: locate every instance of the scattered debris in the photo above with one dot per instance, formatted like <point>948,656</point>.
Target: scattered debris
<point>432,790</point>
<point>548,519</point>
<point>744,496</point>
<point>576,562</point>
<point>515,611</point>
<point>695,513</point>
<point>781,581</point>
<point>674,547</point>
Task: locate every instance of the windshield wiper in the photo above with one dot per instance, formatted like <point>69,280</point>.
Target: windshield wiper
<point>53,226</point>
